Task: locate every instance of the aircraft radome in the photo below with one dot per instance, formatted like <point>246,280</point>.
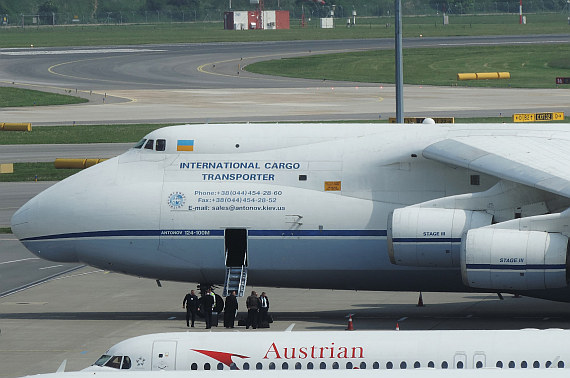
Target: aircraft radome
<point>477,207</point>
<point>379,351</point>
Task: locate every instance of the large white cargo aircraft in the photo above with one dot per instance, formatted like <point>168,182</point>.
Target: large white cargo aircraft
<point>479,207</point>
<point>321,350</point>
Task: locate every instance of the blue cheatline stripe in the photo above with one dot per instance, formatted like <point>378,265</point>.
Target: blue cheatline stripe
<point>427,240</point>
<point>203,233</point>
<point>515,267</point>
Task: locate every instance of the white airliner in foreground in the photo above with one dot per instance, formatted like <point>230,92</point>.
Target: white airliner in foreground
<point>418,373</point>
<point>478,207</point>
<point>370,350</point>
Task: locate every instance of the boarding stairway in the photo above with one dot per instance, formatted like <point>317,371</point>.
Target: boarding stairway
<point>236,278</point>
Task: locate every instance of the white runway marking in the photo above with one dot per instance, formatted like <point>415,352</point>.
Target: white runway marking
<point>78,51</point>
<point>51,267</point>
<point>15,261</point>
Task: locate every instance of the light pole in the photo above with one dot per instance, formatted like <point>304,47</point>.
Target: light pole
<point>399,65</point>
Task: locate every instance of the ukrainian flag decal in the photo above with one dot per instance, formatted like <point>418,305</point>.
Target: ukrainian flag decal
<point>185,145</point>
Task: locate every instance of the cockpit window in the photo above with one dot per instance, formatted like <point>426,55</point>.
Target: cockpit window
<point>140,143</point>
<point>101,361</point>
<point>161,144</point>
<point>126,363</point>
<point>114,362</point>
<point>149,144</point>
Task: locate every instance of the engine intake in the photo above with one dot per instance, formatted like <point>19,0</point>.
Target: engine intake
<point>430,237</point>
<point>505,259</point>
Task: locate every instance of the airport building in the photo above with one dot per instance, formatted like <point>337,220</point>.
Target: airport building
<point>249,20</point>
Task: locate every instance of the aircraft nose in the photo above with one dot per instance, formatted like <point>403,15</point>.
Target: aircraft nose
<point>35,225</point>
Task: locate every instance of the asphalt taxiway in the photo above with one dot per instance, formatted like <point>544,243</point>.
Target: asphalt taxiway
<point>206,83</point>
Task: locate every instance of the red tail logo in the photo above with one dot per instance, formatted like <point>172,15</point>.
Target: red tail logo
<point>223,357</point>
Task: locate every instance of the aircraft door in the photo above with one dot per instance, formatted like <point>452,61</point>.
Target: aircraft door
<point>460,360</point>
<point>164,355</point>
<point>479,360</point>
<point>236,247</point>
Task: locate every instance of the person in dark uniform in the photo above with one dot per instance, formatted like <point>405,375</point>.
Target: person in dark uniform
<point>263,308</point>
<point>208,304</point>
<point>252,303</point>
<point>230,310</point>
<point>190,302</point>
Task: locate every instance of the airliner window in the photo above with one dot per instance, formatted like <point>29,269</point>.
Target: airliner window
<point>310,366</point>
<point>511,364</point>
<point>284,366</point>
<point>220,366</point>
<point>375,365</point>
<point>323,365</point>
<point>245,366</point>
<point>561,364</point>
<point>479,365</point>
<point>431,364</point>
<point>161,144</point>
<point>126,363</point>
<point>389,365</point>
<point>417,365</point>
<point>298,366</point>
<point>460,364</point>
<point>444,365</point>
<point>258,366</point>
<point>523,364</point>
<point>335,365</point>
<point>114,362</point>
<point>194,366</point>
<point>536,364</point>
<point>233,366</point>
<point>271,366</point>
<point>548,364</point>
<point>403,365</point>
<point>149,144</point>
<point>363,365</point>
<point>206,366</point>
<point>101,361</point>
<point>499,364</point>
<point>140,143</point>
<point>349,365</point>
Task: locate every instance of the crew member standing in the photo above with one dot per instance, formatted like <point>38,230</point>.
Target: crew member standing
<point>190,302</point>
<point>208,303</point>
<point>252,304</point>
<point>263,309</point>
<point>230,310</point>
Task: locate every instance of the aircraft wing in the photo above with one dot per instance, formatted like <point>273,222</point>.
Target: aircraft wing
<point>539,162</point>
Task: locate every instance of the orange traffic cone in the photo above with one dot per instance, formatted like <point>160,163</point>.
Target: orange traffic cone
<point>350,327</point>
<point>420,301</point>
<point>397,326</point>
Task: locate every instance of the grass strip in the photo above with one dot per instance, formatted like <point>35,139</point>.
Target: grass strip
<point>15,97</point>
<point>5,230</point>
<point>39,171</point>
<point>201,32</point>
<point>132,133</point>
<point>530,66</point>
<point>80,134</point>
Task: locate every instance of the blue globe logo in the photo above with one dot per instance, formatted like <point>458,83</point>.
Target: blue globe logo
<point>176,200</point>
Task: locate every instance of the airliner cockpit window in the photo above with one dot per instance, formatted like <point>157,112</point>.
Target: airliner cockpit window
<point>140,143</point>
<point>101,361</point>
<point>114,362</point>
<point>126,363</point>
<point>149,144</point>
<point>161,144</point>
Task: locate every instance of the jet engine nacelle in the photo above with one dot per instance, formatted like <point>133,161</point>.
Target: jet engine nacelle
<point>504,259</point>
<point>430,237</point>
